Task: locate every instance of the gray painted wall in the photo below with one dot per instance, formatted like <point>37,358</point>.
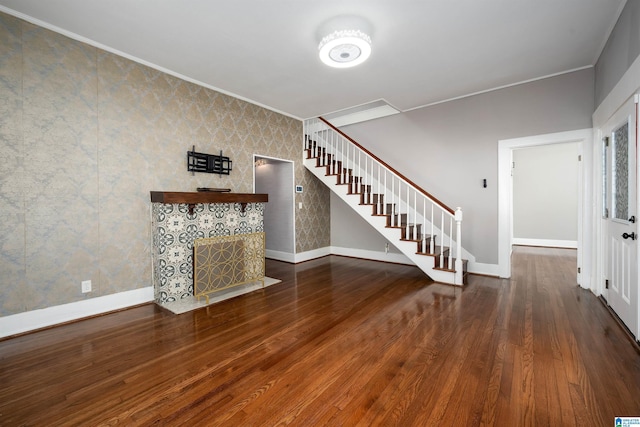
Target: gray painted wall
<point>449,148</point>
<point>622,48</point>
<point>545,192</point>
<point>346,223</point>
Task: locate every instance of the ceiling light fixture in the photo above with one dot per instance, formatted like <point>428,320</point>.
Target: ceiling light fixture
<point>345,48</point>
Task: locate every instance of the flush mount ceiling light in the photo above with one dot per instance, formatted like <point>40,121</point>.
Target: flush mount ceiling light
<point>345,48</point>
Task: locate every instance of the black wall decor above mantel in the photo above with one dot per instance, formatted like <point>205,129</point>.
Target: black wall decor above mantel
<point>209,163</point>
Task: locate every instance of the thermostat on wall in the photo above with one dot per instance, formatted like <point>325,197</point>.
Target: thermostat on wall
<point>298,188</point>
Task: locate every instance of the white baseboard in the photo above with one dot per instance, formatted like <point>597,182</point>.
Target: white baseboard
<point>394,257</point>
<point>280,256</point>
<point>309,255</point>
<point>484,269</point>
<point>472,267</point>
<point>573,244</point>
<point>36,319</point>
<point>372,255</point>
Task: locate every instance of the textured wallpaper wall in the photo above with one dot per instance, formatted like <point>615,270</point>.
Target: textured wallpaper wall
<point>85,135</point>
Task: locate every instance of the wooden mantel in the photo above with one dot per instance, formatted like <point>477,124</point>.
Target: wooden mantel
<point>192,198</point>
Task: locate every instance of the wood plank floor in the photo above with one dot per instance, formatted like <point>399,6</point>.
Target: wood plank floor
<point>340,342</point>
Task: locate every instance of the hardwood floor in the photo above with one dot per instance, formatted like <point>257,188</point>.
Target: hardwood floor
<point>340,342</point>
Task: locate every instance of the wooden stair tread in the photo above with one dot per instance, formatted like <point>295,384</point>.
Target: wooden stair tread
<point>453,270</point>
<point>436,252</point>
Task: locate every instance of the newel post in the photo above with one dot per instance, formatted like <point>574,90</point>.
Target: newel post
<point>459,273</point>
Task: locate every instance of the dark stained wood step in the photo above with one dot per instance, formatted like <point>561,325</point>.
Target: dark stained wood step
<point>465,272</point>
<point>365,194</point>
<point>399,219</point>
<point>378,204</point>
<point>407,232</point>
<point>425,244</point>
<point>436,250</point>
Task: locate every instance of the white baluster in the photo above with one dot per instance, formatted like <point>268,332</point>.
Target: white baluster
<point>393,200</point>
<point>367,172</point>
<point>329,149</point>
<point>346,158</point>
<point>384,198</point>
<point>337,160</point>
<point>378,196</point>
<point>367,180</point>
<point>415,215</point>
<point>431,242</point>
<point>408,212</point>
<point>364,173</point>
<point>333,158</point>
<point>315,145</point>
<point>424,223</point>
<point>323,147</point>
<point>459,272</point>
<point>335,141</point>
<point>450,263</point>
<point>442,239</point>
<point>359,169</point>
<point>350,159</point>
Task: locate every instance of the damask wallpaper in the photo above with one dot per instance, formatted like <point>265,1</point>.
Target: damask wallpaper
<point>84,136</point>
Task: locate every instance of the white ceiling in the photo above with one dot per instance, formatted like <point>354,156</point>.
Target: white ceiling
<point>424,51</point>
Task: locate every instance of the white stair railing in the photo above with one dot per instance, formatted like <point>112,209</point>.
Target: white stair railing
<point>410,208</point>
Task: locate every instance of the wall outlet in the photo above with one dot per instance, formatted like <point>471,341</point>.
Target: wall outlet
<point>86,286</point>
<point>386,248</point>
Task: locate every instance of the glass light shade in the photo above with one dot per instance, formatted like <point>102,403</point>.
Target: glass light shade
<point>345,48</point>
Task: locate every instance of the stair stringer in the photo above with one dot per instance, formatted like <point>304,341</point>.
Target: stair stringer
<point>425,262</point>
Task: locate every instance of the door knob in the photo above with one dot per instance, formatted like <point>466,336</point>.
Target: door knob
<point>632,219</point>
<point>631,236</point>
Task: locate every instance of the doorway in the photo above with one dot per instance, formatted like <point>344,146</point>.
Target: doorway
<point>545,195</point>
<point>505,191</point>
<point>275,177</point>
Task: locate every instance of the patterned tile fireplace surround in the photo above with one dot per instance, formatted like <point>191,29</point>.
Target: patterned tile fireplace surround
<point>177,219</point>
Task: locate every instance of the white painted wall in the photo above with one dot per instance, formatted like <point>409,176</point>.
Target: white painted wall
<point>545,195</point>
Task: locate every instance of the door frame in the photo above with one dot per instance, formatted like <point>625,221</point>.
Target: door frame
<point>601,224</point>
<point>282,256</point>
<point>584,138</point>
<point>628,85</point>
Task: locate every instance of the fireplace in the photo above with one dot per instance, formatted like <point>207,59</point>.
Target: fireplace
<point>180,219</point>
<point>222,262</point>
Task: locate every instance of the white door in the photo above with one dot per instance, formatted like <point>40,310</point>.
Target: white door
<point>620,136</point>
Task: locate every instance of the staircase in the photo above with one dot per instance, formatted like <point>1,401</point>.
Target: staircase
<point>425,230</point>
